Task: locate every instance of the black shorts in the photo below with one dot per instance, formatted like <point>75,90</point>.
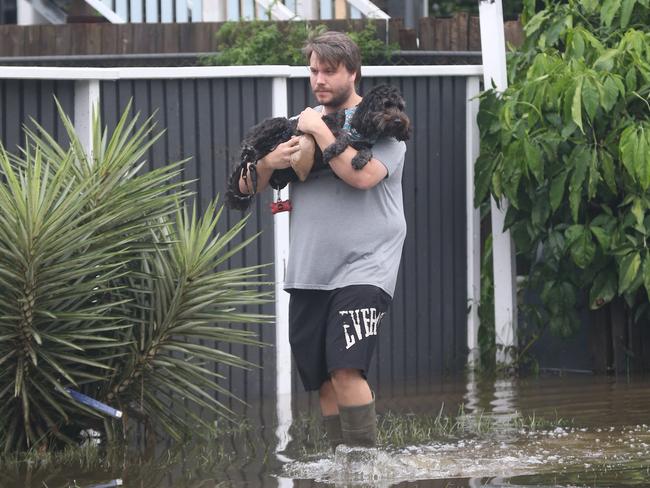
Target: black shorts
<point>334,329</point>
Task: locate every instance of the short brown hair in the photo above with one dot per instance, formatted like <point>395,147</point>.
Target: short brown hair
<point>334,48</point>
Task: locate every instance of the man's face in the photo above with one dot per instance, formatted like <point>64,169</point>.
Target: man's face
<point>332,85</point>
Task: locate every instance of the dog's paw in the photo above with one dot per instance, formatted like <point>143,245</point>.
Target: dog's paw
<point>361,159</point>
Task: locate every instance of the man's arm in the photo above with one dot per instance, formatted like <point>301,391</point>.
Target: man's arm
<point>279,158</point>
<point>369,176</point>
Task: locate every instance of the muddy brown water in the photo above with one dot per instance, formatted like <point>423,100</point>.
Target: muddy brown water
<point>589,431</point>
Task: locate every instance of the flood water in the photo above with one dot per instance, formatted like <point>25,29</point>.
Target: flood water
<point>570,430</point>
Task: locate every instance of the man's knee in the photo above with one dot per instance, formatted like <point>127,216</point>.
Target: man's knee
<point>344,377</point>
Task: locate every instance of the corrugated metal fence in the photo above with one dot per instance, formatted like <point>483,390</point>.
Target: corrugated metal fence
<point>205,118</point>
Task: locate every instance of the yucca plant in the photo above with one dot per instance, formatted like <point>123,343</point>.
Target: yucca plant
<point>110,286</point>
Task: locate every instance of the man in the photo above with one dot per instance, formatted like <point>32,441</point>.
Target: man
<point>347,233</point>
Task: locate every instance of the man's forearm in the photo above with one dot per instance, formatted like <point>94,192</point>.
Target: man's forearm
<point>365,178</point>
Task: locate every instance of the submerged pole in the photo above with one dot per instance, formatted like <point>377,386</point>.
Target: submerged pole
<point>493,47</point>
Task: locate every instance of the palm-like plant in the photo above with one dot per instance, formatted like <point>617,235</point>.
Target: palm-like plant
<point>109,285</point>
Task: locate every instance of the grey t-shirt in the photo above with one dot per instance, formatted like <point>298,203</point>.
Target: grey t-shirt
<point>343,236</point>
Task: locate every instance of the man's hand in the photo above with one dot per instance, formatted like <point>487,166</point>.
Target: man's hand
<point>280,157</point>
<point>310,121</point>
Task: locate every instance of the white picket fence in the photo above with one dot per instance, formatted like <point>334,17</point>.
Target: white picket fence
<point>155,11</point>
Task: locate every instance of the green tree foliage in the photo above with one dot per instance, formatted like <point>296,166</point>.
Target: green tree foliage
<point>568,145</point>
<point>110,285</point>
<point>261,42</point>
<point>511,8</point>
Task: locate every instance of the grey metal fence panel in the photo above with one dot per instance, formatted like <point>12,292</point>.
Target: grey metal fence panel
<point>426,334</point>
<point>22,100</point>
<point>205,120</point>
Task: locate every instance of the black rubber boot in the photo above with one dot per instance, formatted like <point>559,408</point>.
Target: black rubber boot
<point>332,424</point>
<point>359,425</point>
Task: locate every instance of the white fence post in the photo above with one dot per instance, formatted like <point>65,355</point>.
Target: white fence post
<point>505,299</point>
<point>473,221</point>
<point>280,108</point>
<point>86,101</point>
<point>26,14</point>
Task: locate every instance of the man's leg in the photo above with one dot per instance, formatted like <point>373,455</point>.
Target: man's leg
<point>351,387</point>
<point>307,332</point>
<point>355,313</point>
<point>330,410</point>
<point>356,407</point>
<point>328,403</point>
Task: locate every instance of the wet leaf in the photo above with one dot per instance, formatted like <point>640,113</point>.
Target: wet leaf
<point>607,164</point>
<point>583,248</point>
<point>556,244</point>
<point>646,273</point>
<point>626,12</point>
<point>576,106</point>
<point>541,210</point>
<point>628,149</point>
<point>569,129</point>
<point>642,159</point>
<point>628,270</point>
<point>603,289</point>
<point>630,79</point>
<point>555,30</point>
<point>496,184</point>
<point>580,159</point>
<point>638,210</point>
<point>590,6</point>
<point>534,160</point>
<point>590,97</point>
<point>536,22</point>
<point>577,44</point>
<point>484,168</point>
<point>573,232</point>
<point>510,218</point>
<point>608,11</point>
<point>602,236</point>
<point>557,190</point>
<point>606,61</point>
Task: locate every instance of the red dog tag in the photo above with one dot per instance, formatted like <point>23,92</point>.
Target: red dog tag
<point>281,206</point>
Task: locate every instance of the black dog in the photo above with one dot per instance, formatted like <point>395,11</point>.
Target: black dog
<point>380,114</point>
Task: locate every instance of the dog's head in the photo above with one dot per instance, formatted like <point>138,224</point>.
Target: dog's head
<point>381,114</point>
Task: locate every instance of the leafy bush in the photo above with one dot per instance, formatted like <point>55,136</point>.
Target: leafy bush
<point>259,42</point>
<point>511,8</point>
<point>568,144</point>
<point>109,286</point>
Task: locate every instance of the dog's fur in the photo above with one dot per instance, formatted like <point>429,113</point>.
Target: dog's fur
<point>380,114</point>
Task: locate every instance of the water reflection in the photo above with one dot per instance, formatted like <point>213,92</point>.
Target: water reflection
<point>600,436</point>
<point>516,446</point>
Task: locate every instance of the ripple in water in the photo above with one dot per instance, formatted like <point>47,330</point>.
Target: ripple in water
<point>526,453</point>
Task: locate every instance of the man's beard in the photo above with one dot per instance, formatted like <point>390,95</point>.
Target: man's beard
<point>338,98</point>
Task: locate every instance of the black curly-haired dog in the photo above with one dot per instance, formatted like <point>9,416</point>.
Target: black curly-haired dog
<point>380,114</point>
